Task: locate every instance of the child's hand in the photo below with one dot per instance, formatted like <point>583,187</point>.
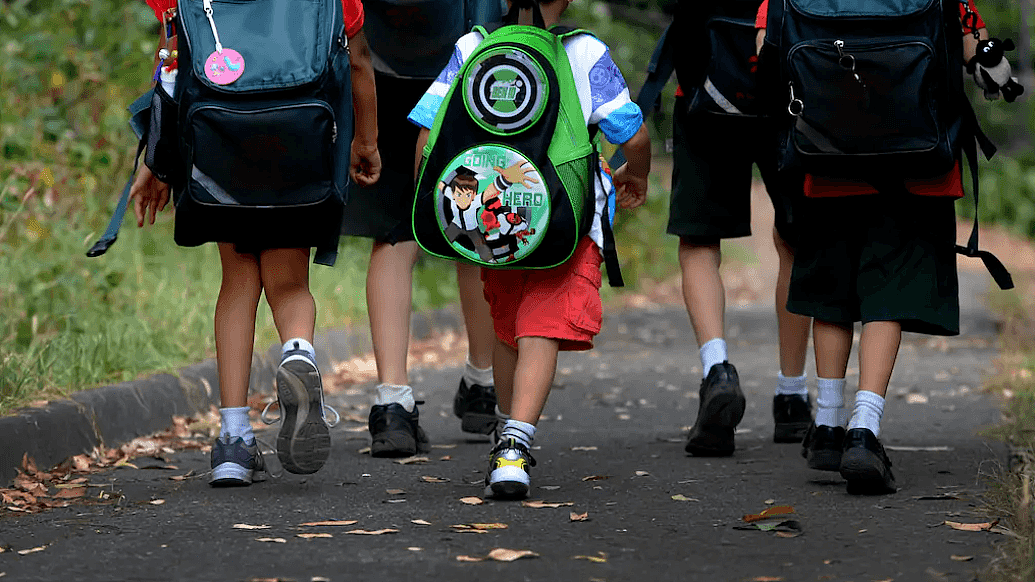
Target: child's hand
<point>517,173</point>
<point>149,196</point>
<point>631,191</point>
<point>365,165</point>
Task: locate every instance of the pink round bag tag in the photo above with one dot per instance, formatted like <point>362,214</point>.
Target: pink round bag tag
<point>224,68</point>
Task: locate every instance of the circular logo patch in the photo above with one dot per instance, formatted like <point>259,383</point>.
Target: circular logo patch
<point>506,90</point>
<point>493,206</point>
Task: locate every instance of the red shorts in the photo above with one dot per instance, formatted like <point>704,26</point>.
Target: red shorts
<point>562,303</point>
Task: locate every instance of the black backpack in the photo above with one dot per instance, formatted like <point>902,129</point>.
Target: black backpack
<point>255,139</point>
<point>873,90</point>
<point>716,65</point>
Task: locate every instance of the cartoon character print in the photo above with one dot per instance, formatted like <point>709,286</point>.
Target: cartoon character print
<point>505,228</point>
<point>466,227</point>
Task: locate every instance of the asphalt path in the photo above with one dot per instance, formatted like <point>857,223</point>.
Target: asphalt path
<point>609,450</point>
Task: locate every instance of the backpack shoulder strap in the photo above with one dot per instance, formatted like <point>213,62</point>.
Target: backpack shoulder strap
<point>140,121</point>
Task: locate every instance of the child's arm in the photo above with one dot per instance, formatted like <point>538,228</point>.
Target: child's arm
<point>365,162</point>
<point>631,179</point>
<point>422,140</point>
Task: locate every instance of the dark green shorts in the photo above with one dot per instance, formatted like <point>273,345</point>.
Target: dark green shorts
<point>711,176</point>
<point>383,210</point>
<point>878,258</point>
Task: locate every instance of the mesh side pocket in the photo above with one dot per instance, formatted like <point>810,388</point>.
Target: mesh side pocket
<point>163,153</point>
<point>575,176</point>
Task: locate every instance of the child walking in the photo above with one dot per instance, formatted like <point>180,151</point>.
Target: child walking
<point>537,313</point>
<point>888,260</point>
<point>249,270</point>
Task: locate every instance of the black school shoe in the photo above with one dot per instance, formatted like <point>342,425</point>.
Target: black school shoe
<point>475,406</point>
<point>395,432</point>
<point>721,408</point>
<point>865,465</point>
<point>792,416</point>
<point>822,447</point>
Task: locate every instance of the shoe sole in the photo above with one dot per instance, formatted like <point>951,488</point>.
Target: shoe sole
<point>865,473</point>
<point>508,483</point>
<point>230,475</point>
<point>824,460</point>
<point>478,423</point>
<point>723,411</point>
<point>399,443</point>
<point>790,432</point>
<point>304,441</point>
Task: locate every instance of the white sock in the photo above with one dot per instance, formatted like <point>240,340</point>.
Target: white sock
<point>389,393</point>
<point>713,352</point>
<point>830,403</point>
<point>521,432</point>
<point>234,423</point>
<point>479,376</point>
<point>792,386</point>
<point>869,408</point>
<point>299,344</point>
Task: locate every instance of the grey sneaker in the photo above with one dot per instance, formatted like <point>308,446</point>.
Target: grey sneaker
<point>304,441</point>
<point>234,462</point>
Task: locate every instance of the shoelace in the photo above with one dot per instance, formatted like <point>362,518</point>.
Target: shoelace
<point>267,419</point>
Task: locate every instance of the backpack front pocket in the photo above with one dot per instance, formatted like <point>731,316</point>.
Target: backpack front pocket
<point>262,155</point>
<point>862,98</point>
<point>729,84</point>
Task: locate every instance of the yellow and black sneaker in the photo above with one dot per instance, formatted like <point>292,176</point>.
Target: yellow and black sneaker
<point>507,476</point>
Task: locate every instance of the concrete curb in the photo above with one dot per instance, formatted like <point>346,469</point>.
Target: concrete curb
<point>114,415</point>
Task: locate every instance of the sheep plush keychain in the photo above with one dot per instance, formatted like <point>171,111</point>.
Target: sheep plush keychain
<point>992,71</point>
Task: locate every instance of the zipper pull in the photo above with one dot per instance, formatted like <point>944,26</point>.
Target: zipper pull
<point>796,107</point>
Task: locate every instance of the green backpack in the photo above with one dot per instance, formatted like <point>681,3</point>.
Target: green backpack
<point>506,177</point>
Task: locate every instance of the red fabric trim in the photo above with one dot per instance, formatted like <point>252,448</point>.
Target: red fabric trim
<point>949,185</point>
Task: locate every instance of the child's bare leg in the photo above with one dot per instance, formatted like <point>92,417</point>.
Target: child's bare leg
<point>703,292</point>
<point>793,329</point>
<point>833,345</point>
<point>481,338</point>
<point>389,297</point>
<point>878,350</point>
<point>475,401</point>
<point>504,361</point>
<point>285,278</point>
<point>533,376</point>
<point>235,323</point>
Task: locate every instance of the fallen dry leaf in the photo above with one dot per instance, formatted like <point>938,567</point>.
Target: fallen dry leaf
<point>329,522</point>
<point>309,536</point>
<point>32,550</point>
<point>410,460</point>
<point>81,462</point>
<point>463,558</point>
<point>583,448</point>
<point>961,558</point>
<point>773,511</point>
<point>600,558</point>
<point>596,477</point>
<point>446,458</point>
<point>157,502</point>
<point>70,493</point>
<point>420,522</point>
<point>505,555</point>
<point>985,526</point>
<point>546,504</point>
<point>578,516</point>
<point>183,477</point>
<point>376,532</point>
<point>247,526</point>
<point>488,525</point>
<point>767,579</point>
<point>642,473</point>
<point>364,451</point>
<point>273,540</point>
<point>472,500</point>
<point>681,497</point>
<point>394,491</point>
<point>431,479</point>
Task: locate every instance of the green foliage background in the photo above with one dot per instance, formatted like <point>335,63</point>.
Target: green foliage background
<point>69,68</point>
